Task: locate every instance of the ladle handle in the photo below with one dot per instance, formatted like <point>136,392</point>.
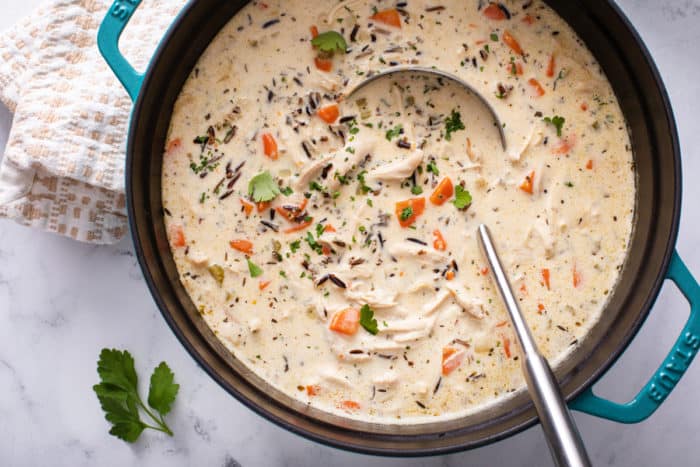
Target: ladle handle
<point>561,433</point>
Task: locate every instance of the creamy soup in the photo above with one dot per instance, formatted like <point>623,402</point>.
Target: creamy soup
<point>328,238</point>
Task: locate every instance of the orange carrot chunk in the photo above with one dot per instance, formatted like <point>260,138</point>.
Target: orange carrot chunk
<point>511,42</point>
<point>545,277</point>
<point>528,183</point>
<point>329,113</point>
<point>408,210</point>
<point>494,12</point>
<point>565,147</point>
<point>589,164</point>
<point>329,228</point>
<point>550,66</point>
<point>350,405</point>
<point>244,246</point>
<point>247,207</point>
<point>506,346</point>
<point>314,31</point>
<point>449,275</point>
<point>323,64</point>
<point>270,146</point>
<point>346,321</point>
<point>536,87</point>
<point>450,360</point>
<point>262,206</point>
<point>177,236</point>
<point>312,389</point>
<point>262,285</point>
<point>439,243</point>
<point>390,17</point>
<point>528,19</point>
<point>300,226</point>
<point>442,192</point>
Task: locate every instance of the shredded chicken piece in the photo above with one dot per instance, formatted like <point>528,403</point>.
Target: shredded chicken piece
<point>398,169</point>
<point>309,172</point>
<point>197,258</point>
<point>344,162</point>
<point>401,250</point>
<point>473,306</point>
<point>375,298</point>
<point>532,139</point>
<point>433,305</point>
<point>540,229</point>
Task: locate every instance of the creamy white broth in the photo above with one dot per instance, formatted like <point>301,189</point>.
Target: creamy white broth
<point>561,203</point>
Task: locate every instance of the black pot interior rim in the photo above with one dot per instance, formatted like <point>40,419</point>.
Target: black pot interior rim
<point>329,441</point>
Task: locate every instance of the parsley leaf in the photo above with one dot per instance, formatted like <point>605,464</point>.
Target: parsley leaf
<point>416,189</point>
<point>557,121</point>
<point>462,198</point>
<point>364,188</point>
<point>254,269</point>
<point>263,188</point>
<point>313,244</point>
<point>432,167</point>
<point>367,319</point>
<point>120,400</point>
<point>394,132</point>
<point>406,213</point>
<point>295,245</point>
<point>453,123</point>
<point>286,191</point>
<point>330,41</point>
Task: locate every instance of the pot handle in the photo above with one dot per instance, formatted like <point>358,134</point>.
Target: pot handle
<point>668,374</point>
<point>108,42</point>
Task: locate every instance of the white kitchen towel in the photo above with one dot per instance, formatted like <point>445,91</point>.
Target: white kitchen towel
<point>63,167</point>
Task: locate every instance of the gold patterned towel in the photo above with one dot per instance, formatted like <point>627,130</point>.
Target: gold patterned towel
<point>63,167</point>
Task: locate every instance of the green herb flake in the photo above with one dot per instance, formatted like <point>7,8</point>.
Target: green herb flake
<point>394,132</point>
<point>330,41</point>
<point>295,245</point>
<point>217,272</point>
<point>462,197</point>
<point>557,121</point>
<point>453,123</point>
<point>432,168</point>
<point>286,191</point>
<point>416,189</point>
<point>367,320</point>
<point>254,269</point>
<point>494,37</point>
<point>263,188</point>
<point>406,213</point>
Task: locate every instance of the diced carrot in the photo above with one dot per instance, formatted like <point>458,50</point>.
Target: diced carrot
<point>494,12</point>
<point>528,183</point>
<point>350,405</point>
<point>536,87</point>
<point>323,64</point>
<point>173,146</point>
<point>270,146</point>
<point>589,164</point>
<point>314,31</point>
<point>262,206</point>
<point>329,228</point>
<point>177,236</point>
<point>439,243</point>
<point>545,277</point>
<point>501,324</point>
<point>576,277</point>
<point>244,246</point>
<point>540,308</point>
<point>247,207</point>
<point>390,17</point>
<point>484,271</point>
<point>442,192</point>
<point>516,68</point>
<point>329,113</point>
<point>451,359</point>
<point>528,19</point>
<point>312,389</point>
<point>346,321</point>
<point>417,206</point>
<point>480,42</point>
<point>301,226</point>
<point>566,145</point>
<point>550,66</point>
<point>506,346</point>
<point>326,250</point>
<point>511,42</point>
<point>262,285</point>
<point>293,212</point>
<point>449,275</point>
<point>523,289</point>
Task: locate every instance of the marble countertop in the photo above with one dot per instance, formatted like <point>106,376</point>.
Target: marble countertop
<point>61,302</point>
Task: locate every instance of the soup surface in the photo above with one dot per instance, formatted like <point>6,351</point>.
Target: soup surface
<point>328,238</point>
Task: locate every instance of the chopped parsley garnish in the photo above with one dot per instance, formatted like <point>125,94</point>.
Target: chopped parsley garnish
<point>494,37</point>
<point>286,191</point>
<point>416,189</point>
<point>201,139</point>
<point>263,188</point>
<point>462,197</point>
<point>453,123</point>
<point>343,179</point>
<point>319,229</point>
<point>353,128</point>
<point>557,121</point>
<point>367,319</point>
<point>406,213</point>
<point>432,168</point>
<point>313,244</point>
<point>314,185</point>
<point>295,245</point>
<point>330,41</point>
<point>254,269</point>
<point>394,132</point>
<point>364,188</point>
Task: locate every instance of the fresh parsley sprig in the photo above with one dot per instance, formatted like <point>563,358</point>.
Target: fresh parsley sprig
<point>120,400</point>
<point>263,188</point>
<point>453,123</point>
<point>330,41</point>
<point>462,198</point>
<point>557,121</point>
<point>367,319</point>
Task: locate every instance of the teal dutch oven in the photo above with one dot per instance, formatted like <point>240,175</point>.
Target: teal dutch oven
<point>650,261</point>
